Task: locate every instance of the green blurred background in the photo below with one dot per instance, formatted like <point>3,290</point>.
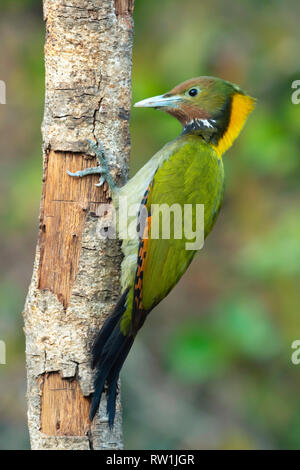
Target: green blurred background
<point>212,367</point>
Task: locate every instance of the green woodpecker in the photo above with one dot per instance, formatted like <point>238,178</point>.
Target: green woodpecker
<point>187,171</point>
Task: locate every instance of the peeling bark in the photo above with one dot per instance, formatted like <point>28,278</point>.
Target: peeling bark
<point>75,278</point>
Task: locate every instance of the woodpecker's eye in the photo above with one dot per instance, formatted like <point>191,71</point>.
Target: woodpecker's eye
<point>193,92</point>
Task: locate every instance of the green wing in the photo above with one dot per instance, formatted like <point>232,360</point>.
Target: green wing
<point>192,175</point>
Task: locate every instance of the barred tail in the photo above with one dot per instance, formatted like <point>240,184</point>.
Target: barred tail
<point>109,352</point>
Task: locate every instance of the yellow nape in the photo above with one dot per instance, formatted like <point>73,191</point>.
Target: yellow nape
<point>241,106</point>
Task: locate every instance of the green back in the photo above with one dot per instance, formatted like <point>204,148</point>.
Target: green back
<point>193,174</point>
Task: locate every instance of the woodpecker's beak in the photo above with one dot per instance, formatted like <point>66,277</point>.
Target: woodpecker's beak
<point>160,101</point>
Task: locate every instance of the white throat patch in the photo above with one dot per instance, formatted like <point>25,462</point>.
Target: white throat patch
<point>209,123</point>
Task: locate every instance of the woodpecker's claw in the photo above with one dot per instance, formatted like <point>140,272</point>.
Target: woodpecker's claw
<point>88,171</point>
<point>99,150</point>
<point>101,181</point>
<point>102,169</point>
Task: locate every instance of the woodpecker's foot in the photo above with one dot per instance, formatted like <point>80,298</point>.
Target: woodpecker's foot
<point>102,169</point>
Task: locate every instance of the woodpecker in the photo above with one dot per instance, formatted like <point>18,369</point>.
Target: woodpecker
<point>187,171</point>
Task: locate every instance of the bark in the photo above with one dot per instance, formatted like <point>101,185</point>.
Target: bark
<point>75,279</point>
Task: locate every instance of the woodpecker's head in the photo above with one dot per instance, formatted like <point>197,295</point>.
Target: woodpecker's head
<point>210,107</point>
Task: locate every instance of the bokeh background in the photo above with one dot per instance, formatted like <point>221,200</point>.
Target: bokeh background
<point>212,367</point>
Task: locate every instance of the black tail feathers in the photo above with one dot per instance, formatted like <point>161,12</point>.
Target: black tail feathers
<point>107,329</point>
<point>109,352</point>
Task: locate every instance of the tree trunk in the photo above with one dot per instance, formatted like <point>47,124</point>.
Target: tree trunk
<point>75,279</point>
